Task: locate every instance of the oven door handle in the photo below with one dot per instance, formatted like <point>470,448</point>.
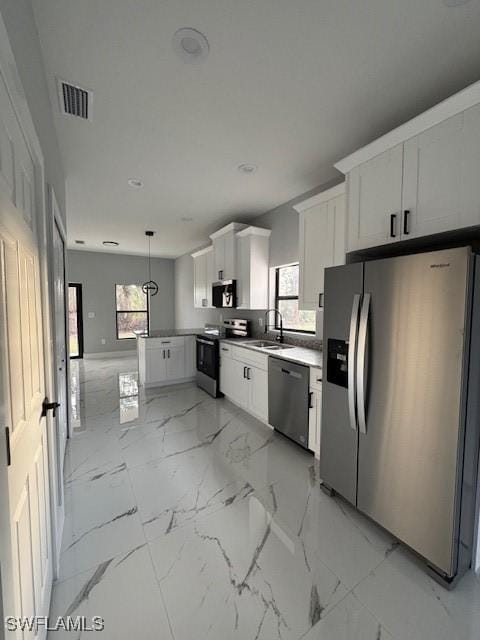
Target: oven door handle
<point>202,341</point>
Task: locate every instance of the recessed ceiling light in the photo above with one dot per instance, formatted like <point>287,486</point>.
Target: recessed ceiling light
<point>455,3</point>
<point>186,219</point>
<point>191,45</point>
<point>247,168</point>
<point>135,183</point>
<point>79,241</point>
<point>110,243</point>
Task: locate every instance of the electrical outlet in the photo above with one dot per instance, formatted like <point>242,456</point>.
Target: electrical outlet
<point>103,341</point>
<point>91,314</point>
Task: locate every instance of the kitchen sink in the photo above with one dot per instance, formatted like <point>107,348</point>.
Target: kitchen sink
<point>272,346</point>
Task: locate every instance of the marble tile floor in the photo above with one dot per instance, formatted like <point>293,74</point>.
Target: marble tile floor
<point>186,519</point>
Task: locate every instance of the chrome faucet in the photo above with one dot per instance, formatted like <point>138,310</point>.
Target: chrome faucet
<point>278,338</point>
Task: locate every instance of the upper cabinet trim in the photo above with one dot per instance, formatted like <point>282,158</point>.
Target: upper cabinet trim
<point>324,196</point>
<point>254,231</point>
<point>233,226</point>
<point>453,105</point>
<point>201,252</point>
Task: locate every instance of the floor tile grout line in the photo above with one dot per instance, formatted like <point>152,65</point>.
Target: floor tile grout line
<point>160,590</point>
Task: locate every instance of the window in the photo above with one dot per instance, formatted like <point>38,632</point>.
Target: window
<point>286,301</point>
<point>75,324</point>
<point>132,310</point>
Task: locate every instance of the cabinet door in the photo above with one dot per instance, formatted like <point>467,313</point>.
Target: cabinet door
<point>209,277</point>
<point>230,259</point>
<point>199,273</point>
<point>258,392</point>
<point>156,365</point>
<point>243,273</point>
<point>233,381</point>
<point>312,420</point>
<point>219,258</point>
<point>432,190</point>
<point>227,383</point>
<point>375,201</point>
<point>317,240</point>
<point>315,421</point>
<point>190,355</point>
<point>175,363</point>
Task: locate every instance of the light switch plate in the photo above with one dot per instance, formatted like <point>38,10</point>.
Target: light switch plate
<point>91,314</point>
<point>103,341</point>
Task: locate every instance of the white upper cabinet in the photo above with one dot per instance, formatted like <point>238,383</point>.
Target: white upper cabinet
<point>225,252</point>
<point>252,268</point>
<point>321,241</point>
<point>375,200</point>
<point>418,180</point>
<point>441,188</point>
<point>203,278</point>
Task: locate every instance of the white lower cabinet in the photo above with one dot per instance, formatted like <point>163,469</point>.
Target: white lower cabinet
<point>258,392</point>
<point>165,360</point>
<point>175,359</point>
<point>156,366</point>
<point>315,411</point>
<point>245,383</point>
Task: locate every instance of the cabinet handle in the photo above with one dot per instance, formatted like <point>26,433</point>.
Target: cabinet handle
<point>7,438</point>
<point>225,349</point>
<point>164,354</point>
<point>248,373</point>
<point>393,223</point>
<point>220,275</point>
<point>320,300</point>
<point>244,372</point>
<point>166,341</point>
<point>406,218</point>
<point>168,352</point>
<point>310,398</point>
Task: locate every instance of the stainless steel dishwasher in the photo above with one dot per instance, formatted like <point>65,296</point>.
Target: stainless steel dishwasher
<point>288,386</point>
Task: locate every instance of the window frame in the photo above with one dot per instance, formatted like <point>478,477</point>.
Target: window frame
<point>77,286</point>
<point>278,298</point>
<point>117,311</point>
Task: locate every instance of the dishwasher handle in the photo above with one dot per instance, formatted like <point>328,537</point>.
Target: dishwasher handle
<point>294,374</point>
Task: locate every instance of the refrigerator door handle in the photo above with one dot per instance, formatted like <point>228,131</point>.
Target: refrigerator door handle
<point>352,350</point>
<point>361,362</point>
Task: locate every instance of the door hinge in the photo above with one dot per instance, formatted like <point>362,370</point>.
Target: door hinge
<point>7,439</point>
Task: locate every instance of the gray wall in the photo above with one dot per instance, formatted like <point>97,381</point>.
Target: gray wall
<point>99,273</point>
<point>284,249</point>
<point>22,31</point>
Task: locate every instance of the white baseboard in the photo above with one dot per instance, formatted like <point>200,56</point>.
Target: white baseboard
<point>109,354</point>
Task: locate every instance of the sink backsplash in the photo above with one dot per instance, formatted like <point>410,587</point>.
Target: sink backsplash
<point>309,342</point>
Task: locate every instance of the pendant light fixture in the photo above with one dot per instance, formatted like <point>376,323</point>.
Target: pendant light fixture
<point>150,288</point>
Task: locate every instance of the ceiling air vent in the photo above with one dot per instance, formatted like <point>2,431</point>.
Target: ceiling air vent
<point>75,101</point>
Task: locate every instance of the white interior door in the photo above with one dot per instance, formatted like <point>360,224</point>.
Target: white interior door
<point>60,342</point>
<point>27,567</point>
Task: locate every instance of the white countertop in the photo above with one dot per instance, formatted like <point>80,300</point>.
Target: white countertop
<point>308,357</point>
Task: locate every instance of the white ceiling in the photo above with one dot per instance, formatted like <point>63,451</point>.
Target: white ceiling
<point>289,86</point>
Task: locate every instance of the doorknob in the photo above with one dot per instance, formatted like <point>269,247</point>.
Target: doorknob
<point>49,406</point>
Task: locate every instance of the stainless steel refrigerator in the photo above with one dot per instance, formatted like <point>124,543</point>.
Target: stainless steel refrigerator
<point>401,398</point>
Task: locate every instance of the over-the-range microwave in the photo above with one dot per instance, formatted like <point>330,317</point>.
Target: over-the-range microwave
<point>224,294</point>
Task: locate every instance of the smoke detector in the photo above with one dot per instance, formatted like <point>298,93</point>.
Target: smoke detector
<point>247,168</point>
<point>191,45</point>
<point>74,100</point>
